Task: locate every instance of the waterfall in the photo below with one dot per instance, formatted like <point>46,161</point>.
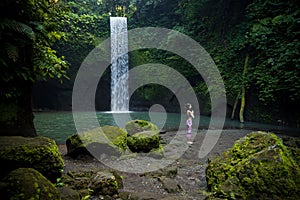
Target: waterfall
<point>119,64</point>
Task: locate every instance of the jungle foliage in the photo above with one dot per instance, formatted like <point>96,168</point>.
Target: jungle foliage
<point>40,38</point>
<point>28,31</point>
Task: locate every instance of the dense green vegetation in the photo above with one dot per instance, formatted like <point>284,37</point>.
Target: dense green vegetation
<point>254,44</point>
<point>28,31</point>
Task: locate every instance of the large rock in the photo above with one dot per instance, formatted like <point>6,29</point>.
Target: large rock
<point>136,126</point>
<point>258,166</point>
<point>27,183</point>
<point>144,141</point>
<point>118,136</point>
<point>107,140</point>
<point>39,152</point>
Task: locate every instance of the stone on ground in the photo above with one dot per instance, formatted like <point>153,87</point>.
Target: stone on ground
<point>107,140</point>
<point>39,152</point>
<point>136,126</point>
<point>27,183</point>
<point>144,141</point>
<point>93,182</point>
<point>258,166</point>
<point>66,193</point>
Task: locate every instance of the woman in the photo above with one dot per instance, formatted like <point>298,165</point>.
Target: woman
<point>190,116</point>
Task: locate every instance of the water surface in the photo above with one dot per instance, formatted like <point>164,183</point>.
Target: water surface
<point>60,125</point>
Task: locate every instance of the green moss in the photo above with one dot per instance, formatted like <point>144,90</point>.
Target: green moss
<point>97,182</point>
<point>27,183</point>
<point>40,153</point>
<point>258,166</point>
<point>108,139</point>
<point>144,141</point>
<point>158,152</point>
<point>136,126</point>
<point>116,135</point>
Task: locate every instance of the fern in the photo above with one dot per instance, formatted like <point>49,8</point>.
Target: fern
<point>12,51</point>
<point>39,30</point>
<point>19,27</point>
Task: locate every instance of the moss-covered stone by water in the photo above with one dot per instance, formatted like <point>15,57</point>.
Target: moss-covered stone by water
<point>144,141</point>
<point>108,140</point>
<point>116,135</point>
<point>136,126</point>
<point>39,152</point>
<point>143,136</point>
<point>27,184</point>
<point>258,166</point>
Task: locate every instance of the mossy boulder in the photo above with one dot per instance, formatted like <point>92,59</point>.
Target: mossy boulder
<point>145,141</point>
<point>98,182</point>
<point>136,126</point>
<point>39,152</point>
<point>118,136</point>
<point>258,166</point>
<point>109,140</point>
<point>27,183</point>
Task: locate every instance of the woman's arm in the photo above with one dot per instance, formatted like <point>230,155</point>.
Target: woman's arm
<point>191,113</point>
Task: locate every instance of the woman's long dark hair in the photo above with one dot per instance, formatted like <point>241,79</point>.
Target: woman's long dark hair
<point>187,106</point>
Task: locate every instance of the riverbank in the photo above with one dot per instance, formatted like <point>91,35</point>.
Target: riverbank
<point>188,182</point>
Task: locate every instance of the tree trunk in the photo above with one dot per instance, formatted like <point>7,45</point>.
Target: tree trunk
<point>242,105</point>
<point>243,98</point>
<point>235,104</point>
<point>16,113</point>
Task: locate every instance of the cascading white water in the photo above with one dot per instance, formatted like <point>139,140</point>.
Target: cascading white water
<point>119,64</point>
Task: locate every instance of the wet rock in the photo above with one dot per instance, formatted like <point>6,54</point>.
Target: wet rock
<point>157,153</point>
<point>142,196</point>
<point>39,152</point>
<point>117,135</point>
<point>170,185</point>
<point>93,182</point>
<point>103,183</point>
<point>27,183</point>
<point>124,195</point>
<point>136,126</point>
<point>258,166</point>
<point>108,140</point>
<point>66,193</point>
<point>144,141</point>
<point>173,198</point>
<point>170,172</point>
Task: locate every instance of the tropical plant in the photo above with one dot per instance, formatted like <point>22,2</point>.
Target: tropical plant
<point>28,30</point>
